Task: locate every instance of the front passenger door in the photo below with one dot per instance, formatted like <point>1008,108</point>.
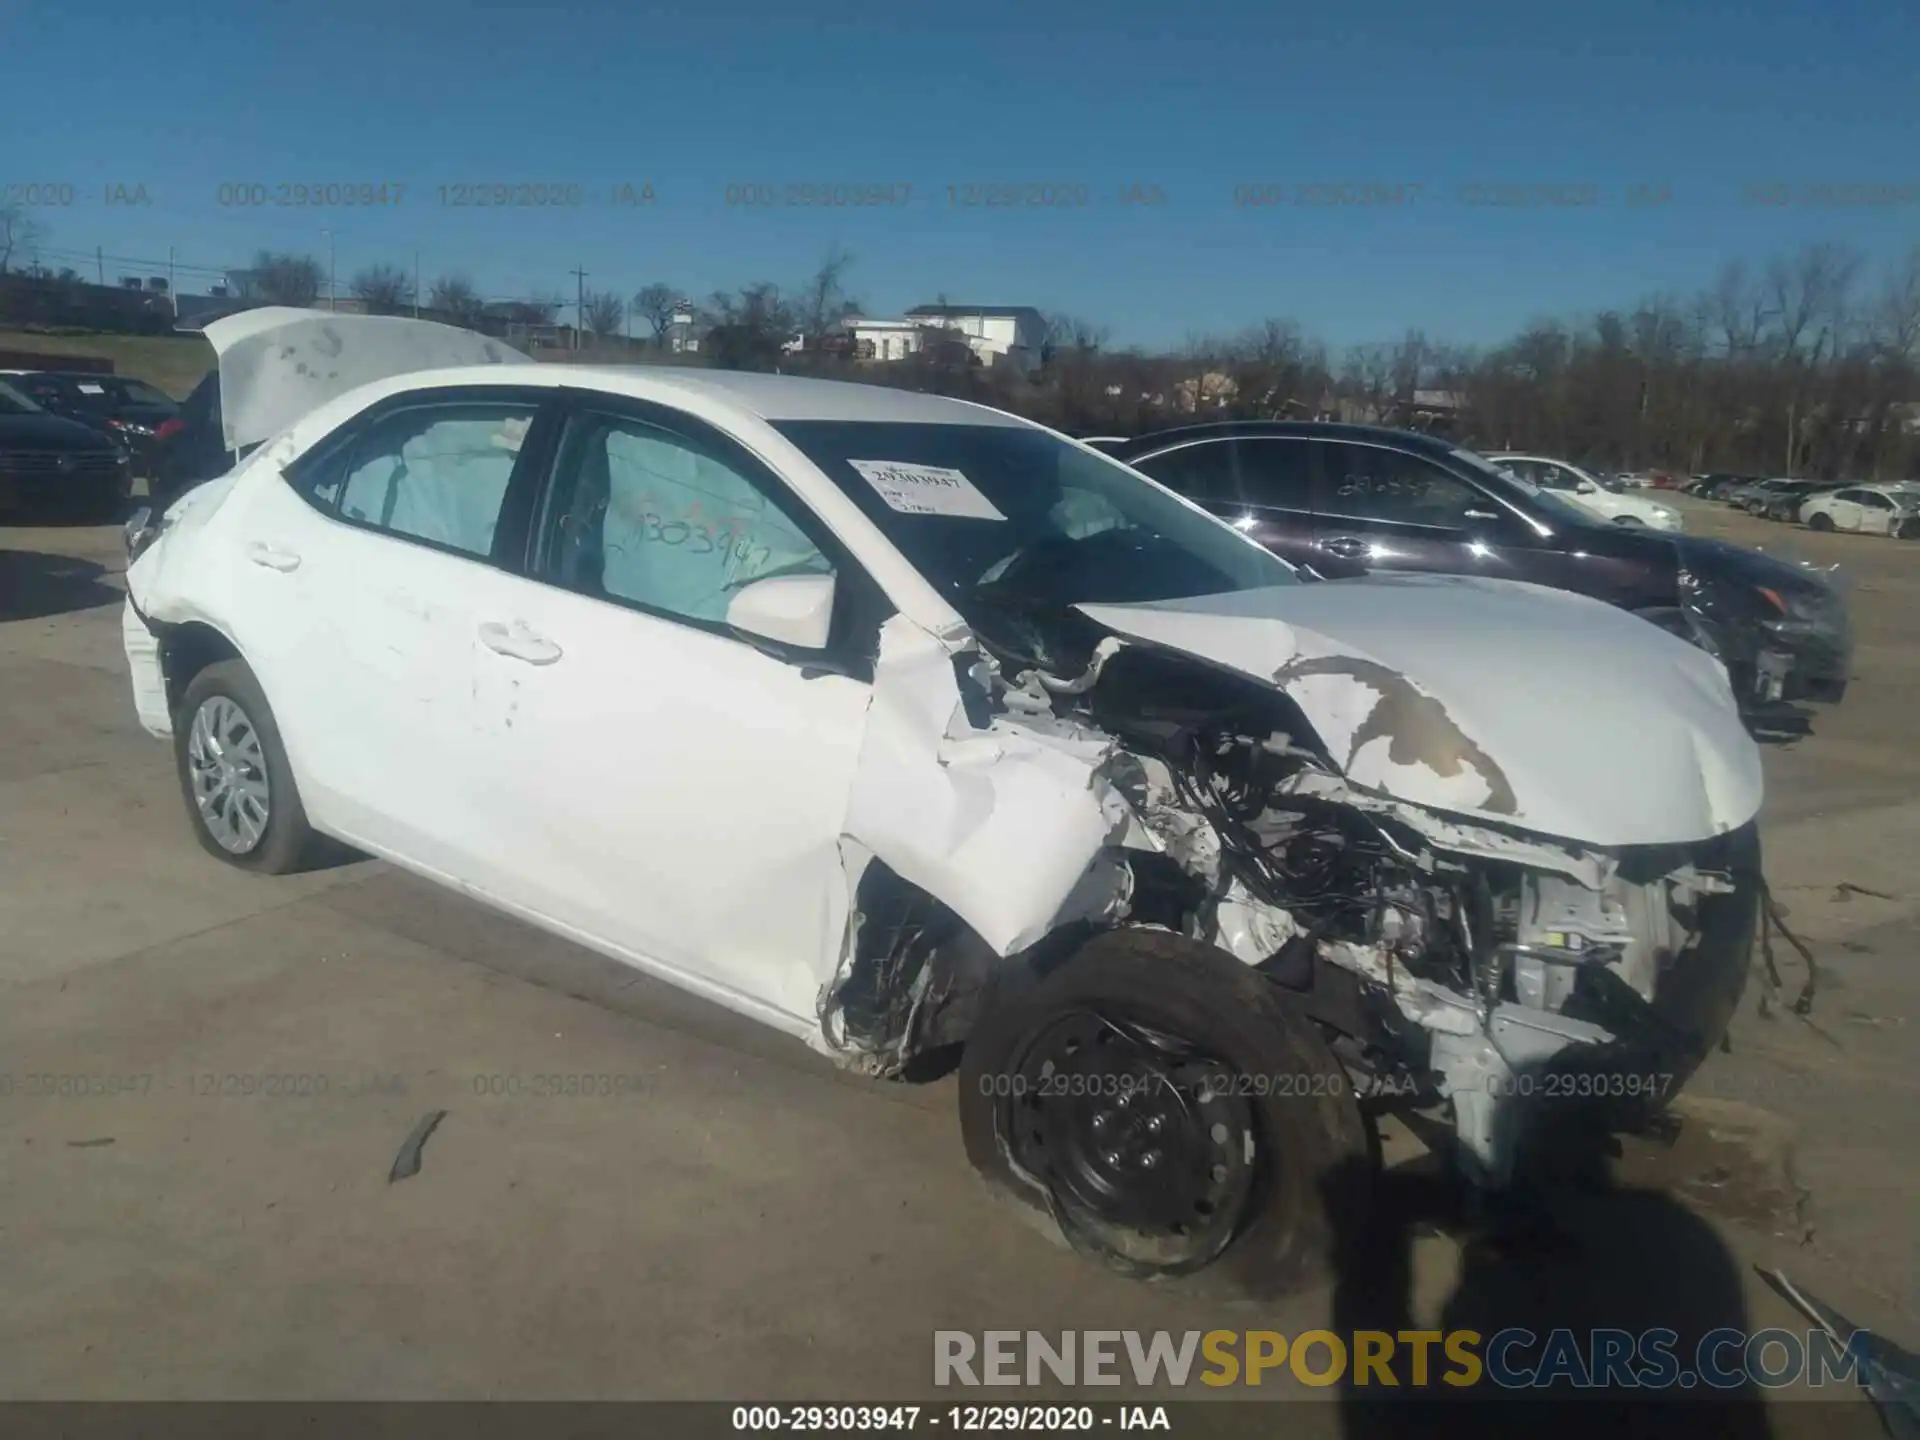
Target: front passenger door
<point>1393,510</point>
<point>655,782</point>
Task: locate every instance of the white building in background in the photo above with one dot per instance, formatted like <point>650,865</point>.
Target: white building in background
<point>998,334</point>
<point>885,339</point>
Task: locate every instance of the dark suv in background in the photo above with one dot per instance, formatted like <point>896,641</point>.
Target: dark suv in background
<point>193,447</point>
<point>1330,498</point>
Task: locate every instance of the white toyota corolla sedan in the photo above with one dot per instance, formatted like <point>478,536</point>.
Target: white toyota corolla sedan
<point>917,730</point>
<point>1618,504</point>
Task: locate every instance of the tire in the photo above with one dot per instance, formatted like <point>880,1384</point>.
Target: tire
<point>1821,521</point>
<point>1633,520</point>
<point>222,691</point>
<point>1287,1154</point>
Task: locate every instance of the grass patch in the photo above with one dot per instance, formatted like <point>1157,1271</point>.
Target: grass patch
<point>175,363</point>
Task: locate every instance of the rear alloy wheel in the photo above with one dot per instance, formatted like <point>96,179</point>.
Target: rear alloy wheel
<point>1820,521</point>
<point>1156,1100</point>
<point>240,793</point>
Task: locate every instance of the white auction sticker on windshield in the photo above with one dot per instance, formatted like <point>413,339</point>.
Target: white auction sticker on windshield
<point>926,490</point>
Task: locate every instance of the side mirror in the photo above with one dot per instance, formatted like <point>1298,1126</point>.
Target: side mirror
<point>794,610</point>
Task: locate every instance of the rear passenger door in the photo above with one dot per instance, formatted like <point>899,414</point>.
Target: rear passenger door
<point>1262,485</point>
<point>363,575</point>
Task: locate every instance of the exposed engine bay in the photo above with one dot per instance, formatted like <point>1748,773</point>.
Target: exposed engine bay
<point>1452,963</point>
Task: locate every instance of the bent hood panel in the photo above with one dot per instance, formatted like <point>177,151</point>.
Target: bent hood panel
<point>1508,702</point>
<point>279,363</point>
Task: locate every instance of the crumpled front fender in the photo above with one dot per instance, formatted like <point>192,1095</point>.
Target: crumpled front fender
<point>1006,824</point>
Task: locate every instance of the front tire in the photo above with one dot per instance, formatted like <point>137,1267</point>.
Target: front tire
<point>1155,1098</point>
<point>1634,520</point>
<point>241,798</point>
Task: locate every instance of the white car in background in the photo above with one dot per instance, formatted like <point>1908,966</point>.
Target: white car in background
<point>900,724</point>
<point>1869,509</point>
<point>1610,503</point>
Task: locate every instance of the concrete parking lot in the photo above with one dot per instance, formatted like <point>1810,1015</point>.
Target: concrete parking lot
<point>206,1077</point>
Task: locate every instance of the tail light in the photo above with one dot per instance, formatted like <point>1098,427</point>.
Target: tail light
<point>170,428</point>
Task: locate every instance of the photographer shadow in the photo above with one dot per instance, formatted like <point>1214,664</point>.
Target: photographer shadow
<point>1566,1248</point>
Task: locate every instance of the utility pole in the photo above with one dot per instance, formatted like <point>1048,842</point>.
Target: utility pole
<point>416,284</point>
<point>331,305</point>
<point>579,303</point>
<point>100,263</point>
<point>173,295</point>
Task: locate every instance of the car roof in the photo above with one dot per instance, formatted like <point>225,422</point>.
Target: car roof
<point>1296,429</point>
<point>774,398</point>
<point>790,397</point>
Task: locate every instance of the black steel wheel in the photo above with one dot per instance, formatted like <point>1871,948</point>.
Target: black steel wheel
<point>1156,1099</point>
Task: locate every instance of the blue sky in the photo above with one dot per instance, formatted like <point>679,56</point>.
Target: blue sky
<point>1465,101</point>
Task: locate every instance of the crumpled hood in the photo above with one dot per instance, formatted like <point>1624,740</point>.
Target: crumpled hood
<point>278,362</point>
<point>1490,698</point>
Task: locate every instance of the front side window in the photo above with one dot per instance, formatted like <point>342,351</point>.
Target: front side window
<point>1366,482</point>
<point>438,473</point>
<point>653,518</point>
<point>1543,503</point>
<point>1873,500</point>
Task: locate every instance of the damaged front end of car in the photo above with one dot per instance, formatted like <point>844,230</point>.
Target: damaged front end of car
<point>1454,958</point>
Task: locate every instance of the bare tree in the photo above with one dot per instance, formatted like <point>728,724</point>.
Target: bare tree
<point>456,296</point>
<point>823,301</point>
<point>603,312</point>
<point>1896,319</point>
<point>1070,334</point>
<point>385,289</point>
<point>748,328</point>
<point>657,305</point>
<point>1367,374</point>
<point>281,279</point>
<point>1738,310</point>
<point>1277,371</point>
<point>1809,293</point>
<point>19,231</point>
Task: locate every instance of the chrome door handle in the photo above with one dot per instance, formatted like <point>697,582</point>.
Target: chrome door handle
<point>1347,547</point>
<point>272,556</point>
<point>1481,514</point>
<point>518,642</point>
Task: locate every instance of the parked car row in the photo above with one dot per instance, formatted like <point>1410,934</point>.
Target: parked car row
<point>1010,747</point>
<point>1871,509</point>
